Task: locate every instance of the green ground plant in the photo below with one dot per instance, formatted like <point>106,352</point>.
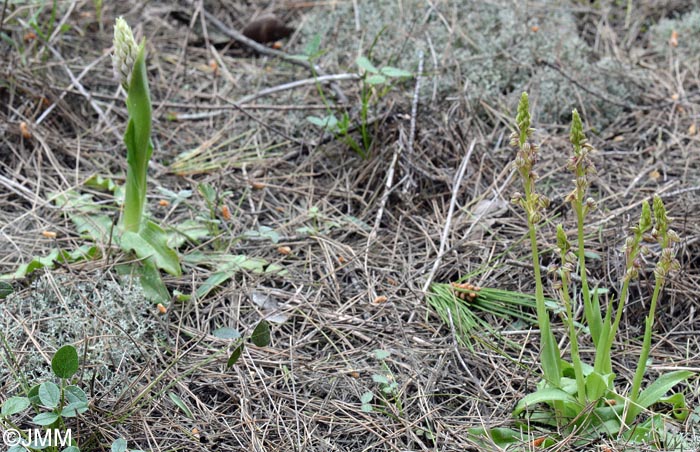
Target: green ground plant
<point>155,247</point>
<point>53,403</point>
<point>375,83</point>
<point>388,393</point>
<point>577,398</point>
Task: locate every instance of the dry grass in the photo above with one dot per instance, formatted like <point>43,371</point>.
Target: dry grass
<point>303,392</point>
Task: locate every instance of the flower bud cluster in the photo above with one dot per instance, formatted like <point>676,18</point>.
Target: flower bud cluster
<point>125,51</point>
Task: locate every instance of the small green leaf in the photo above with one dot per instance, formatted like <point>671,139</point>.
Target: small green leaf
<point>74,408</point>
<point>381,354</point>
<point>33,395</point>
<point>5,290</point>
<point>65,362</point>
<point>261,334</point>
<point>45,419</point>
<point>226,333</point>
<point>329,122</point>
<point>180,404</point>
<point>263,232</point>
<point>208,193</point>
<point>311,48</point>
<point>367,408</point>
<point>14,405</point>
<point>365,64</point>
<point>234,356</point>
<point>71,449</point>
<point>49,394</point>
<point>592,255</point>
<point>375,80</point>
<point>367,397</point>
<point>395,72</point>
<point>381,379</point>
<point>74,394</point>
<point>119,445</point>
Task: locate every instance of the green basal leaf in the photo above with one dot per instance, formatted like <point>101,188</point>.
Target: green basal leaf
<point>263,232</point>
<point>189,230</point>
<point>65,362</point>
<point>165,257</point>
<point>545,395</point>
<point>655,391</point>
<point>680,408</point>
<point>152,284</point>
<point>501,436</point>
<point>213,281</point>
<point>104,183</point>
<point>381,379</point>
<point>152,242</point>
<point>35,264</point>
<point>228,266</point>
<point>598,385</point>
<point>366,397</point>
<point>329,123</point>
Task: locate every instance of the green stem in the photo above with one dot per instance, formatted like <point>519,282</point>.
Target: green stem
<point>644,355</point>
<point>573,339</point>
<point>134,198</point>
<point>587,305</point>
<point>550,351</point>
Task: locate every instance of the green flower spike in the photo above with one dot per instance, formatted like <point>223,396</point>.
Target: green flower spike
<point>522,119</point>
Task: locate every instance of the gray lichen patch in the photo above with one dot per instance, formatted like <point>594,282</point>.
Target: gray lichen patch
<point>505,48</point>
<point>108,321</point>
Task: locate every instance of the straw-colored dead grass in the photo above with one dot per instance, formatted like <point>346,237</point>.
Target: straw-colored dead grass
<point>303,392</point>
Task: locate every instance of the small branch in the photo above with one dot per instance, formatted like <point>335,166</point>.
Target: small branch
<point>291,85</point>
<point>414,113</point>
<point>448,221</point>
<point>264,50</point>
